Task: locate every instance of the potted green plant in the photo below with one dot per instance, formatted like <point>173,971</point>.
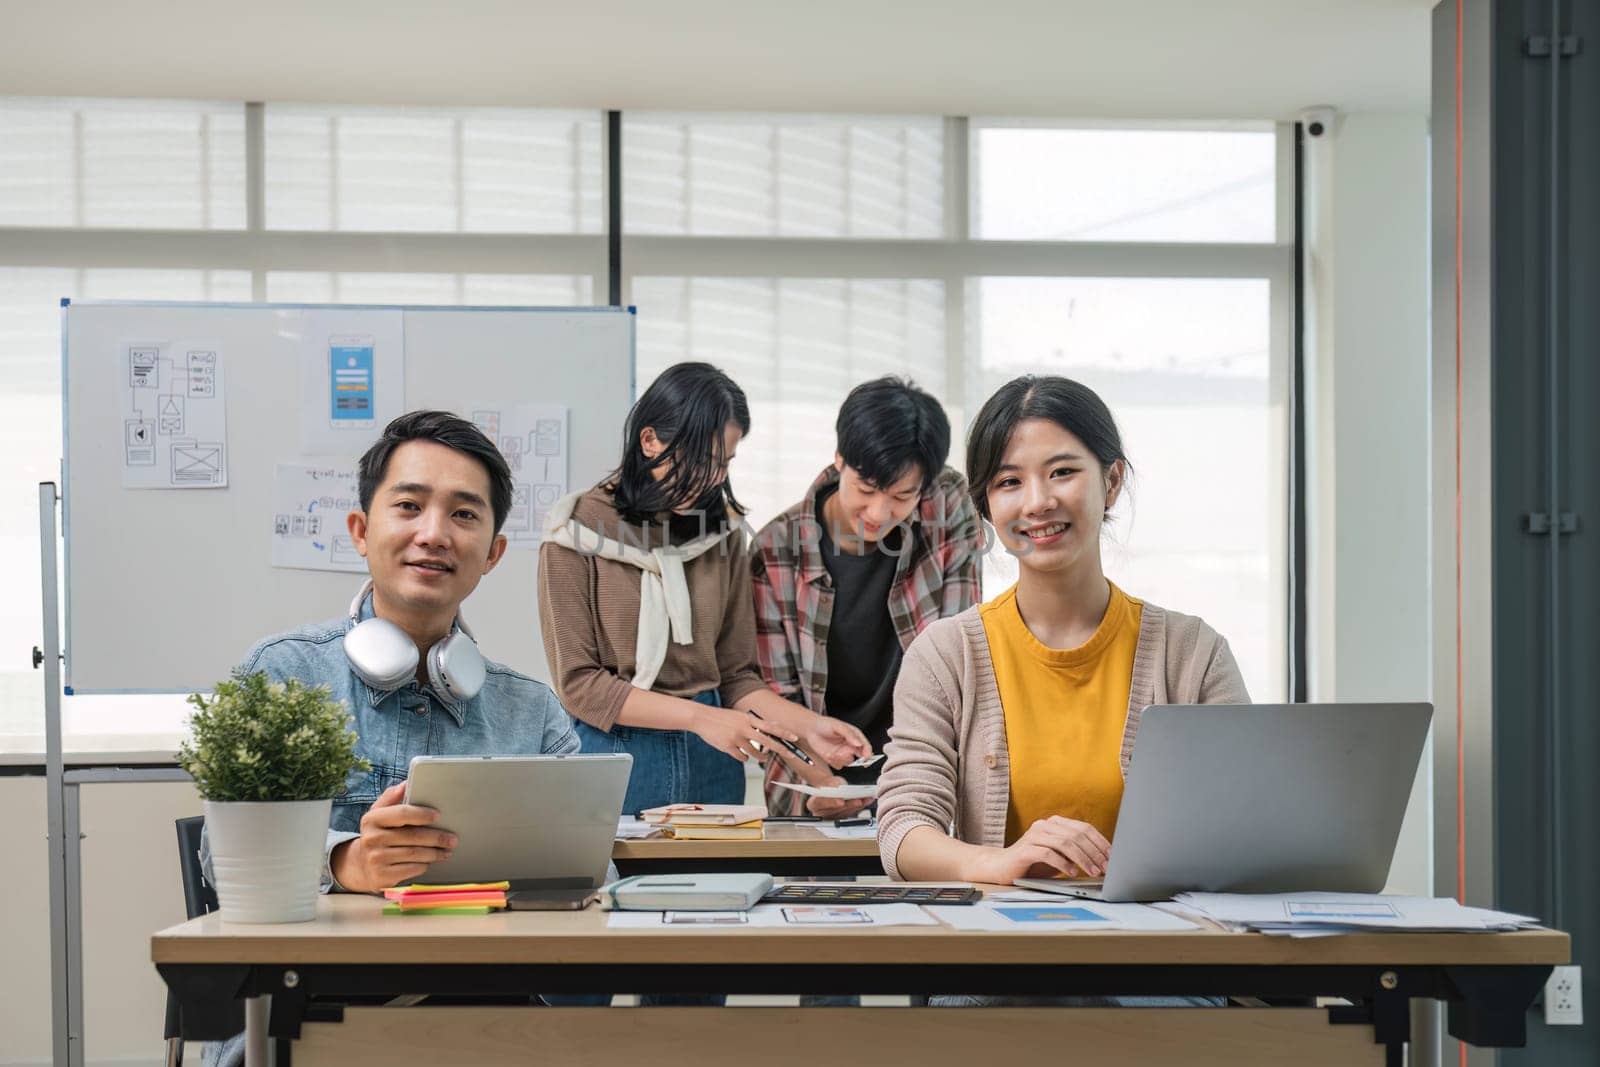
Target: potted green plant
<point>268,758</point>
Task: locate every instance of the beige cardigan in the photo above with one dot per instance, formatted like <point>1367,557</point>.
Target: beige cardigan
<point>948,765</point>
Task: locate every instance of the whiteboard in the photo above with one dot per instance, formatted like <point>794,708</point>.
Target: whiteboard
<point>166,589</point>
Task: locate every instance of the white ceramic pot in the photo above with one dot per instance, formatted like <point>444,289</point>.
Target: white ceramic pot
<point>267,858</point>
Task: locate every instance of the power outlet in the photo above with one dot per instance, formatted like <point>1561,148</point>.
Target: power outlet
<point>1563,997</point>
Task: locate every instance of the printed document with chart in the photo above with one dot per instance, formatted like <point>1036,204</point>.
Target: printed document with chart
<point>174,422</point>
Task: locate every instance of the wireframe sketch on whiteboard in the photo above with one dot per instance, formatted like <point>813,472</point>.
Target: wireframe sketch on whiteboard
<point>352,375</point>
<point>310,504</point>
<point>533,438</point>
<point>174,416</point>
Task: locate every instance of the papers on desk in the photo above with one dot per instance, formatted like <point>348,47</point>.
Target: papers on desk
<point>1327,914</point>
<point>847,791</point>
<point>865,832</point>
<point>630,828</point>
<point>777,916</point>
<point>1042,916</point>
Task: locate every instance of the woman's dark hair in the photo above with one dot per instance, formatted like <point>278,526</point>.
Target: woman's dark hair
<point>689,406</point>
<point>1071,405</point>
<point>446,429</point>
<point>888,427</point>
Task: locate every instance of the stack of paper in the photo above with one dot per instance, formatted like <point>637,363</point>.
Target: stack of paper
<point>709,822</point>
<point>631,828</point>
<point>1324,914</point>
<point>463,898</point>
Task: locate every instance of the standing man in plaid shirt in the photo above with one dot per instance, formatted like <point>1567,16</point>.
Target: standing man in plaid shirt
<point>885,542</point>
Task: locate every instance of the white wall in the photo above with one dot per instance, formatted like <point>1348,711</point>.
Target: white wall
<point>131,888</point>
<point>1369,367</point>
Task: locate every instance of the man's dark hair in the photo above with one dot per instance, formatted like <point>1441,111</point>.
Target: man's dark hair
<point>888,427</point>
<point>1071,405</point>
<point>446,429</point>
<point>689,406</point>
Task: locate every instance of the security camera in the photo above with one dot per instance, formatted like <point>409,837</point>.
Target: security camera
<point>1318,121</point>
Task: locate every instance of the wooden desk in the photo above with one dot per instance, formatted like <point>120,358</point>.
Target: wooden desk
<point>789,849</point>
<point>1488,980</point>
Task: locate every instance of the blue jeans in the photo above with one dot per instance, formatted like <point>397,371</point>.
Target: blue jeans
<point>670,766</point>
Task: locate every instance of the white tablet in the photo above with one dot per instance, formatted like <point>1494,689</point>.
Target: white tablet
<point>539,822</point>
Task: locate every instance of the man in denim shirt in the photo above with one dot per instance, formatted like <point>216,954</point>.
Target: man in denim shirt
<point>512,715</point>
<point>434,493</point>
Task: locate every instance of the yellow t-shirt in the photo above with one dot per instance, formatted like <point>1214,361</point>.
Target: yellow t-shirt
<point>1066,710</point>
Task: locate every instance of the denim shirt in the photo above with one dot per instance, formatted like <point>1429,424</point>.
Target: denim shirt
<point>513,715</point>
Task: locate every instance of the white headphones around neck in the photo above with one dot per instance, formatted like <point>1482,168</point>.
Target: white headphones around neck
<point>383,656</point>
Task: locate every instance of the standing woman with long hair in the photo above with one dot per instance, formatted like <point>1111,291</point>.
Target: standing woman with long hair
<point>644,599</point>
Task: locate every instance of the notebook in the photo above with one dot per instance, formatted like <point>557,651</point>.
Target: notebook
<point>704,814</point>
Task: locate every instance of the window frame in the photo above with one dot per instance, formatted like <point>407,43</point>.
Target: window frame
<point>957,260</point>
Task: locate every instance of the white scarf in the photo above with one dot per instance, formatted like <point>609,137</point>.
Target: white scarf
<point>663,591</point>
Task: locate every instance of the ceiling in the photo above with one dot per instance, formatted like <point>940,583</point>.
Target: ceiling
<point>1203,59</point>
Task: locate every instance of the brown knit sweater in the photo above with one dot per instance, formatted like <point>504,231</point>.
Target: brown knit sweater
<point>948,765</point>
<point>589,611</point>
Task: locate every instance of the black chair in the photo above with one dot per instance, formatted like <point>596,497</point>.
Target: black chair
<point>198,899</point>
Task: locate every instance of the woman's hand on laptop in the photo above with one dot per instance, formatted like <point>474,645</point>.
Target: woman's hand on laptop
<point>397,842</point>
<point>1049,847</point>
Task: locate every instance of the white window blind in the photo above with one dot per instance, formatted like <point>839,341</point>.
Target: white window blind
<point>788,176</point>
<point>796,346</point>
<point>528,290</point>
<point>172,165</point>
<point>420,170</point>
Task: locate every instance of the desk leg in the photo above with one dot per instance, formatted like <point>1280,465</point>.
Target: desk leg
<point>257,1046</point>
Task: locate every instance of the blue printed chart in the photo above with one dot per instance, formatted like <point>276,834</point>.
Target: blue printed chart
<point>999,916</point>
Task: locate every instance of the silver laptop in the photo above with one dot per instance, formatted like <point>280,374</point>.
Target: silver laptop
<point>1260,798</point>
<point>544,823</point>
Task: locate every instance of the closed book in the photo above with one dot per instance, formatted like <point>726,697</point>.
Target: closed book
<point>704,814</point>
<point>750,831</point>
<point>686,892</point>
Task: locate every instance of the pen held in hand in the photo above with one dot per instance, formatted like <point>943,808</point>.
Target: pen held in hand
<point>796,750</point>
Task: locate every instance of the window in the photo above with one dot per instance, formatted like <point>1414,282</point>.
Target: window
<point>1185,366</point>
<point>1156,271</point>
<point>782,176</point>
<point>527,290</point>
<point>409,170</point>
<point>360,184</point>
<point>130,164</point>
<point>802,253</point>
<point>1096,184</point>
<point>796,346</point>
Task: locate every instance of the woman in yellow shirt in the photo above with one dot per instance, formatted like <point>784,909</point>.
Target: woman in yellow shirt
<point>1015,720</point>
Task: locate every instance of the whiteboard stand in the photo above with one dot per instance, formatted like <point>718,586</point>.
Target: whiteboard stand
<point>62,815</point>
<point>66,964</point>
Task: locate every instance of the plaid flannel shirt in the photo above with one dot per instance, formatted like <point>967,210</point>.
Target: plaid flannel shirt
<point>936,575</point>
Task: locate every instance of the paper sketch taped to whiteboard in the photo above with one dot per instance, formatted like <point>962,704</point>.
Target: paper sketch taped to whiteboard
<point>310,504</point>
<point>174,416</point>
<point>352,376</point>
<point>533,438</point>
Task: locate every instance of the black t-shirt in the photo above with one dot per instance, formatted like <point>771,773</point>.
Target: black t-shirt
<point>863,649</point>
